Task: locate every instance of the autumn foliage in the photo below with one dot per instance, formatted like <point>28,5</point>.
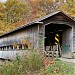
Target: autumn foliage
<point>14,13</point>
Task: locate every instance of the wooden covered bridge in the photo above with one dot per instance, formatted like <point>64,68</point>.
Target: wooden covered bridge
<point>54,32</point>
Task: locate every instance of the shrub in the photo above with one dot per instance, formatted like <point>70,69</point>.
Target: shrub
<point>32,62</point>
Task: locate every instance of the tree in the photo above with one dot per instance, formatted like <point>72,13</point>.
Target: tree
<point>69,8</point>
<point>15,11</point>
<point>40,8</point>
<point>34,12</point>
<point>47,6</point>
<point>2,7</point>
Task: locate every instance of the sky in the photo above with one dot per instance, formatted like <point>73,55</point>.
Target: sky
<point>3,0</point>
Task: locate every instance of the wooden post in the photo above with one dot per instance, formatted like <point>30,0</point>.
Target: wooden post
<point>2,48</point>
<point>57,51</point>
<point>6,48</point>
<point>38,37</point>
<point>9,47</point>
<point>60,51</point>
<point>13,47</point>
<point>22,46</point>
<point>17,46</point>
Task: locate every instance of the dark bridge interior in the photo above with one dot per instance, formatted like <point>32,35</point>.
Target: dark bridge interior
<point>51,30</point>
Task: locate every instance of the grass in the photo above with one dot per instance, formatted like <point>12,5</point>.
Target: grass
<point>60,68</point>
<point>30,64</point>
<point>35,64</point>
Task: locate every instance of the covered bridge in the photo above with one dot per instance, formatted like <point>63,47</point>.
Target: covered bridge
<point>53,32</point>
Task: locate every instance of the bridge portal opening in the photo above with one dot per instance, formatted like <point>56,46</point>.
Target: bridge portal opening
<point>61,42</point>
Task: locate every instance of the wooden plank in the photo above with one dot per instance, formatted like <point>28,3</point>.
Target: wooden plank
<point>16,37</point>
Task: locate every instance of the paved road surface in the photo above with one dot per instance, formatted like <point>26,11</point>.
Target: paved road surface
<point>68,60</point>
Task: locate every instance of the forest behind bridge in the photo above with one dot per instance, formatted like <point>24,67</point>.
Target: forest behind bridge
<point>14,13</point>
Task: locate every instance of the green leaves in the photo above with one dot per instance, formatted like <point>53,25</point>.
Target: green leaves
<point>15,10</point>
<point>69,7</point>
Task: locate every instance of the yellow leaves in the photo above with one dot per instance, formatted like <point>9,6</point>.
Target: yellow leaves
<point>49,1</point>
<point>15,45</point>
<point>1,14</point>
<point>9,3</point>
<point>48,62</point>
<point>15,11</point>
<point>34,1</point>
<point>69,7</point>
<point>56,70</point>
<point>4,27</point>
<point>19,23</point>
<point>26,43</point>
<point>1,7</point>
<point>59,68</point>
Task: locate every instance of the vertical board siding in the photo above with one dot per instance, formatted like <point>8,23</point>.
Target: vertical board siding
<point>67,43</point>
<point>41,37</point>
<point>31,33</point>
<point>36,34</point>
<point>74,39</point>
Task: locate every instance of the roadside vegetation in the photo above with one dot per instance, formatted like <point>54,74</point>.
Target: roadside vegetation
<point>60,68</point>
<point>35,64</point>
<point>30,64</point>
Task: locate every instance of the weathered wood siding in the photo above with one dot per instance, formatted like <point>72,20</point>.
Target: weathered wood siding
<point>41,37</point>
<point>16,37</point>
<point>59,19</point>
<point>12,54</point>
<point>67,35</point>
<point>74,39</point>
<point>67,43</point>
<point>36,33</point>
